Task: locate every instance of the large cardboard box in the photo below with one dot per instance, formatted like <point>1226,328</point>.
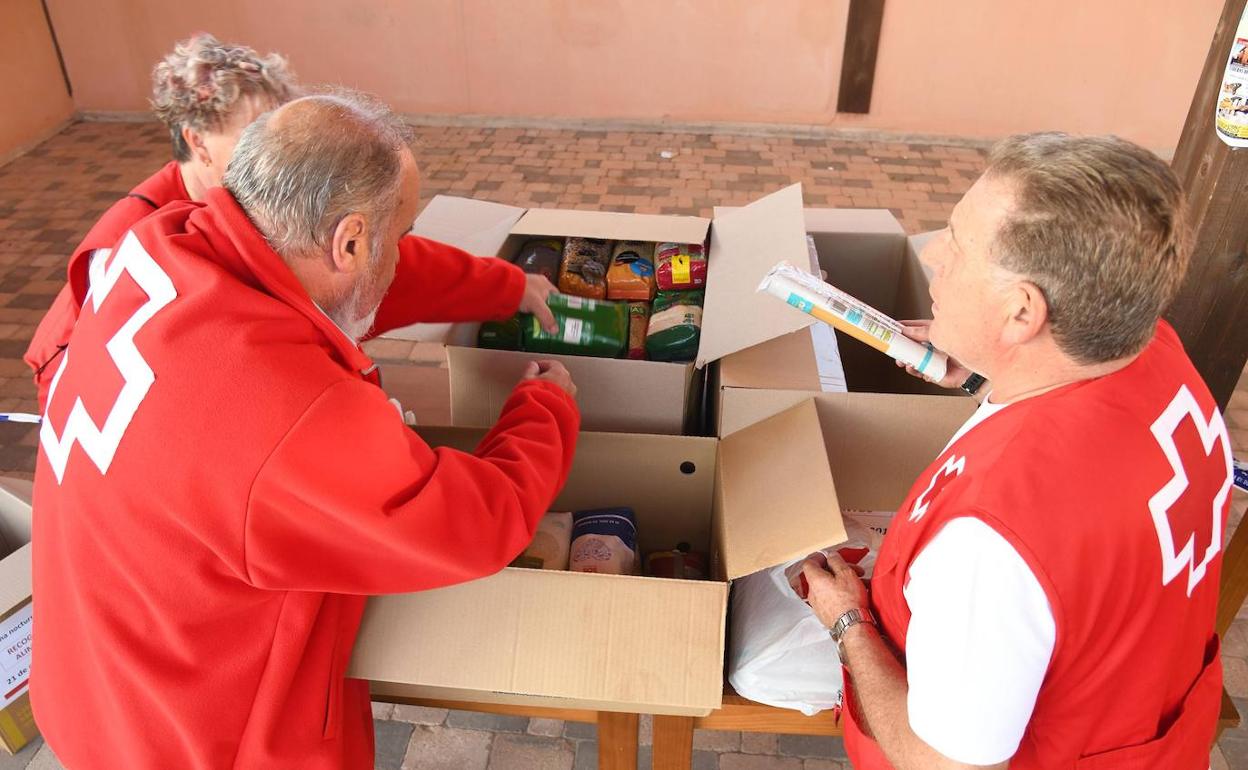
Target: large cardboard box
<point>17,723</point>
<point>770,492</point>
<point>866,253</point>
<point>618,395</point>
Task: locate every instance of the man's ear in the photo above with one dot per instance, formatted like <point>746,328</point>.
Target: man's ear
<point>349,249</point>
<point>1028,310</point>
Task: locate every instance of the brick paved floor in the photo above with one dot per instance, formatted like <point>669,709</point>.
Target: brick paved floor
<point>52,195</point>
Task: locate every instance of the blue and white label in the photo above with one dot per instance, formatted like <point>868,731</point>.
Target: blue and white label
<point>801,304</point>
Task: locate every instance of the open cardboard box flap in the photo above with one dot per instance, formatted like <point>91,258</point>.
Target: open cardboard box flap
<point>476,226</point>
<point>777,499</point>
<point>745,244</point>
<point>612,225</point>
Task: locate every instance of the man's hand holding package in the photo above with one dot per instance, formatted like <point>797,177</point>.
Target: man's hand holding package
<point>537,288</point>
<point>834,590</point>
<point>955,375</point>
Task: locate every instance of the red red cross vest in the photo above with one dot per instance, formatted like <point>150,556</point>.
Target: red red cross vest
<point>52,336</point>
<point>1115,492</point>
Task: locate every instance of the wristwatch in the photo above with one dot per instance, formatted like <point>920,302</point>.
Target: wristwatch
<point>973,383</point>
<point>851,618</point>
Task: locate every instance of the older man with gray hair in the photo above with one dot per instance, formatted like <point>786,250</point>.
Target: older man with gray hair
<point>222,483</point>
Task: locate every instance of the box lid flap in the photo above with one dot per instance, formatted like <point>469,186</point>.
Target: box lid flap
<point>745,244</point>
<point>477,227</point>
<point>15,576</point>
<point>613,225</point>
<point>777,499</point>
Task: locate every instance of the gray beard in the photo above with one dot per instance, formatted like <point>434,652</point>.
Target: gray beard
<point>349,316</point>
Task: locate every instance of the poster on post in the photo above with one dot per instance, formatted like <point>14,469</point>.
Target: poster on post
<point>1231,118</point>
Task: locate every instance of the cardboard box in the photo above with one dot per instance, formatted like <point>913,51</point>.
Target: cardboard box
<point>17,723</point>
<point>867,254</point>
<point>618,395</point>
<point>650,645</point>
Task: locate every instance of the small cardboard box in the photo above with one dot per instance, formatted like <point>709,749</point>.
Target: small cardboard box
<point>615,394</point>
<point>760,497</point>
<point>17,723</point>
<point>866,253</point>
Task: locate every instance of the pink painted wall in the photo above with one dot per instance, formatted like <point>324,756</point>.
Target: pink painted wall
<point>32,90</point>
<point>974,67</point>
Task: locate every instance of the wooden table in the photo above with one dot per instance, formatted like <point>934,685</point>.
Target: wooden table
<point>617,732</point>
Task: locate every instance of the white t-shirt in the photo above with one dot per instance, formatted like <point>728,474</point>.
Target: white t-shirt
<point>980,639</point>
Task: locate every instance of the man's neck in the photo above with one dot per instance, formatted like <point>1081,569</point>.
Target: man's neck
<point>1022,378</point>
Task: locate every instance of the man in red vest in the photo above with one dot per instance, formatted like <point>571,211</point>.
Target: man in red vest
<point>1045,596</point>
<point>221,483</point>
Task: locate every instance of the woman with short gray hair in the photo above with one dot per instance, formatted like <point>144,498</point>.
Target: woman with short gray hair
<point>205,92</point>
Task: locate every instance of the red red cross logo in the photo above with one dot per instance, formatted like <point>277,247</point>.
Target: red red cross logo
<point>1201,479</point>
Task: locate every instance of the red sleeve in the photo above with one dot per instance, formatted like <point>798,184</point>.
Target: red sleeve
<point>437,283</point>
<point>353,501</point>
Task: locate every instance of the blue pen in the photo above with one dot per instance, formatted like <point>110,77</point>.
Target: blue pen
<point>20,417</point>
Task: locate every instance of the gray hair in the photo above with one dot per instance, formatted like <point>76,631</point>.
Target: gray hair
<point>202,82</point>
<point>298,173</point>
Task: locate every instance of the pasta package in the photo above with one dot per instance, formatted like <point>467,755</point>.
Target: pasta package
<point>583,271</point>
<point>631,275</point>
<point>500,335</point>
<point>604,540</point>
<point>638,325</point>
<point>675,326</point>
<point>551,544</point>
<point>680,266</point>
<point>587,327</point>
<point>541,256</point>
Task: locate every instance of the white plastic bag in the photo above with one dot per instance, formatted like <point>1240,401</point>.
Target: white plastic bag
<point>779,653</point>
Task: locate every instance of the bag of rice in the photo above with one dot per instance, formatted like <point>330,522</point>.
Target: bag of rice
<point>583,271</point>
<point>604,540</point>
<point>638,324</point>
<point>551,544</point>
<point>680,266</point>
<point>587,327</point>
<point>631,275</point>
<point>541,256</point>
<point>675,326</point>
<point>500,335</point>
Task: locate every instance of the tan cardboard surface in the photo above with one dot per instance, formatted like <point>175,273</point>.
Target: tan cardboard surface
<point>381,690</point>
<point>614,394</point>
<point>778,498</point>
<point>612,225</point>
<point>15,579</point>
<point>643,643</point>
<point>478,227</point>
<point>785,363</point>
<point>745,244</point>
<point>15,521</point>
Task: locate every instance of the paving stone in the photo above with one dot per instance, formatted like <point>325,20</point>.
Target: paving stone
<point>758,762</point>
<point>1235,676</point>
<point>581,731</point>
<point>474,720</point>
<point>530,752</point>
<point>705,760</point>
<point>23,758</point>
<point>586,755</point>
<point>419,715</point>
<point>391,744</point>
<point>760,743</point>
<point>382,711</point>
<point>44,759</point>
<point>814,746</point>
<point>550,728</point>
<point>445,748</point>
<point>716,740</point>
<point>1217,760</point>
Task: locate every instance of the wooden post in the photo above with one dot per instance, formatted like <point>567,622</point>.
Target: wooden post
<point>1211,311</point>
<point>617,741</point>
<point>862,43</point>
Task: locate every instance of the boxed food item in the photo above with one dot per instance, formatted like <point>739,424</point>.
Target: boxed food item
<point>742,245</point>
<point>577,640</point>
<point>17,723</point>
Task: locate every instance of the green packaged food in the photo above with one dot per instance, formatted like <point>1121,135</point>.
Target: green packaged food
<point>587,327</point>
<point>500,335</point>
<point>675,326</point>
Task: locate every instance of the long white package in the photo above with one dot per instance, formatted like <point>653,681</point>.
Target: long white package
<point>779,653</point>
<point>827,351</point>
<point>853,317</point>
